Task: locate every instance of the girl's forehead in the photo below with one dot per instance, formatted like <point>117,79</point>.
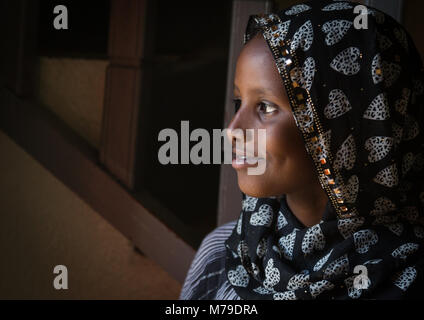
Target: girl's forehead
<point>257,45</point>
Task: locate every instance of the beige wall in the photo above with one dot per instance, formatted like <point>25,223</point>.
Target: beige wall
<point>74,90</point>
<point>43,224</point>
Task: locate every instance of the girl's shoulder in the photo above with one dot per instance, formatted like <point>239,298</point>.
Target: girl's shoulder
<point>218,236</point>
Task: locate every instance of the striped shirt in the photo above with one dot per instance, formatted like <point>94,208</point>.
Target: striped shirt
<point>206,279</point>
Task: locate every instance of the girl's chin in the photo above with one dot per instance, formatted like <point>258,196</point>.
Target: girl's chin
<point>254,187</point>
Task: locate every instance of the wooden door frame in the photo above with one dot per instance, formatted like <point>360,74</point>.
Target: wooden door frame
<point>122,101</point>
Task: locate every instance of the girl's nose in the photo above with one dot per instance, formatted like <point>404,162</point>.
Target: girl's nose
<point>235,130</point>
<point>239,125</point>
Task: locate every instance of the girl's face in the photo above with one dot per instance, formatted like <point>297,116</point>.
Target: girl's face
<point>262,103</point>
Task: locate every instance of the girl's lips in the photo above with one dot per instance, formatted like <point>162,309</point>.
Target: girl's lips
<point>241,162</point>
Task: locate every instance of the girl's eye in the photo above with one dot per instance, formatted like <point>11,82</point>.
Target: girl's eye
<point>266,108</point>
<point>237,104</point>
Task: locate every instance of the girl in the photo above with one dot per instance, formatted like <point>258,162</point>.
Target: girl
<point>338,213</point>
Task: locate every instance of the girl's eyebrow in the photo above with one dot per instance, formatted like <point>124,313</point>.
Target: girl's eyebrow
<point>262,91</point>
<point>259,90</point>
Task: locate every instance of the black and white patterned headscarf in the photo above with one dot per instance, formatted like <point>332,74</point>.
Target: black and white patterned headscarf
<point>356,96</point>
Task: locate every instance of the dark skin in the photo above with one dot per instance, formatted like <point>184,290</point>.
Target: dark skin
<point>264,105</point>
